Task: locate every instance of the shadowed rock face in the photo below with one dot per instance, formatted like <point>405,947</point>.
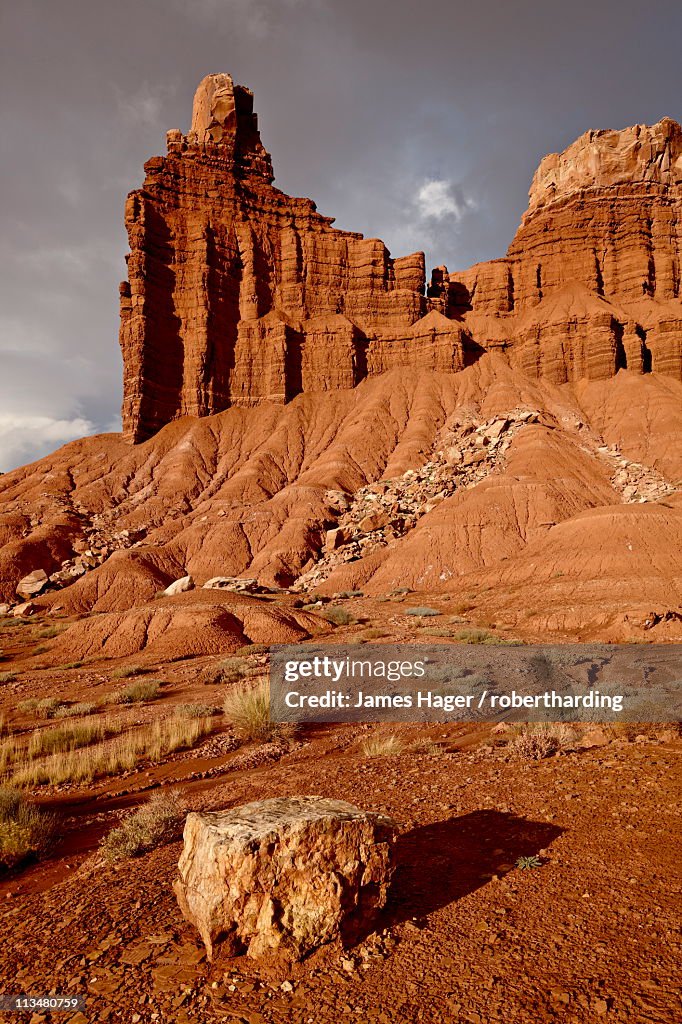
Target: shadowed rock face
<point>238,294</point>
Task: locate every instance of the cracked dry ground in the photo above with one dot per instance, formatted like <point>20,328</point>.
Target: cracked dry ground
<point>590,935</point>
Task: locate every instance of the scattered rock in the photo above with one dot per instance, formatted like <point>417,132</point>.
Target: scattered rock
<point>180,586</point>
<point>33,584</point>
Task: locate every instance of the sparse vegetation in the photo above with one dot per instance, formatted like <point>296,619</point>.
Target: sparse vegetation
<point>473,636</point>
<point>49,632</point>
<point>44,707</point>
<point>150,743</point>
<point>25,830</point>
<point>374,634</point>
<point>248,710</point>
<point>425,746</point>
<point>381,746</point>
<point>127,671</point>
<point>154,823</point>
<point>443,631</point>
<point>422,611</point>
<point>7,677</point>
<point>71,736</point>
<point>233,669</point>
<point>338,616</point>
<point>135,693</point>
<point>462,607</point>
<point>399,592</point>
<point>527,863</point>
<point>196,710</point>
<point>253,649</point>
<point>539,740</point>
<point>75,710</point>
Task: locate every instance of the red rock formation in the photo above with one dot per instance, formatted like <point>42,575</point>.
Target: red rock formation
<point>591,281</point>
<point>239,294</point>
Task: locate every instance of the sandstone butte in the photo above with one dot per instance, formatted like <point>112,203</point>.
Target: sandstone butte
<point>512,431</point>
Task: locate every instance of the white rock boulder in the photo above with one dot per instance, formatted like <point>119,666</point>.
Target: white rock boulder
<point>180,586</point>
<point>290,873</point>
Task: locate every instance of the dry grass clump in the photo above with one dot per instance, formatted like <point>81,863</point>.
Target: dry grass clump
<point>425,746</point>
<point>7,677</point>
<point>233,669</point>
<point>196,710</point>
<point>25,830</point>
<point>49,632</point>
<point>248,710</point>
<point>338,616</point>
<point>381,746</point>
<point>150,743</point>
<point>45,707</point>
<point>474,636</point>
<point>155,822</point>
<point>71,736</point>
<point>75,710</point>
<point>374,634</point>
<point>539,740</point>
<point>127,671</point>
<point>135,693</point>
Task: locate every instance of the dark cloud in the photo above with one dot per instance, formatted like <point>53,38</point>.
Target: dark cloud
<point>363,104</point>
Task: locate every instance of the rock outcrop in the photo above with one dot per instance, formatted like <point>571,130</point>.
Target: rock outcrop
<point>238,294</point>
<point>290,873</point>
<point>591,281</point>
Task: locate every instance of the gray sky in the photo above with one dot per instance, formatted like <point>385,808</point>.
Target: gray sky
<point>420,123</point>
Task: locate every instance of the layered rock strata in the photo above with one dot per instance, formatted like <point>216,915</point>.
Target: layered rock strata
<point>238,294</point>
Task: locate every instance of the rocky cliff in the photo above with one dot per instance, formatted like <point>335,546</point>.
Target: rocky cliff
<point>239,294</point>
<point>591,281</point>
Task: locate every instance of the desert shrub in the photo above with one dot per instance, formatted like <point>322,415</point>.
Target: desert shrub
<point>443,631</point>
<point>154,823</point>
<point>381,746</point>
<point>338,616</point>
<point>473,636</point>
<point>345,594</point>
<point>7,677</point>
<point>135,693</point>
<point>75,710</point>
<point>25,830</point>
<point>196,710</point>
<point>71,664</point>
<point>233,669</point>
<point>422,611</point>
<point>399,592</point>
<point>248,710</point>
<point>539,740</point>
<point>253,649</point>
<point>127,671</point>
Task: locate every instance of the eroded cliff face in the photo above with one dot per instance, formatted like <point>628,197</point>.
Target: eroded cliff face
<point>591,281</point>
<point>238,294</point>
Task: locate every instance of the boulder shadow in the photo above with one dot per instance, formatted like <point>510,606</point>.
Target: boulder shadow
<point>440,863</point>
